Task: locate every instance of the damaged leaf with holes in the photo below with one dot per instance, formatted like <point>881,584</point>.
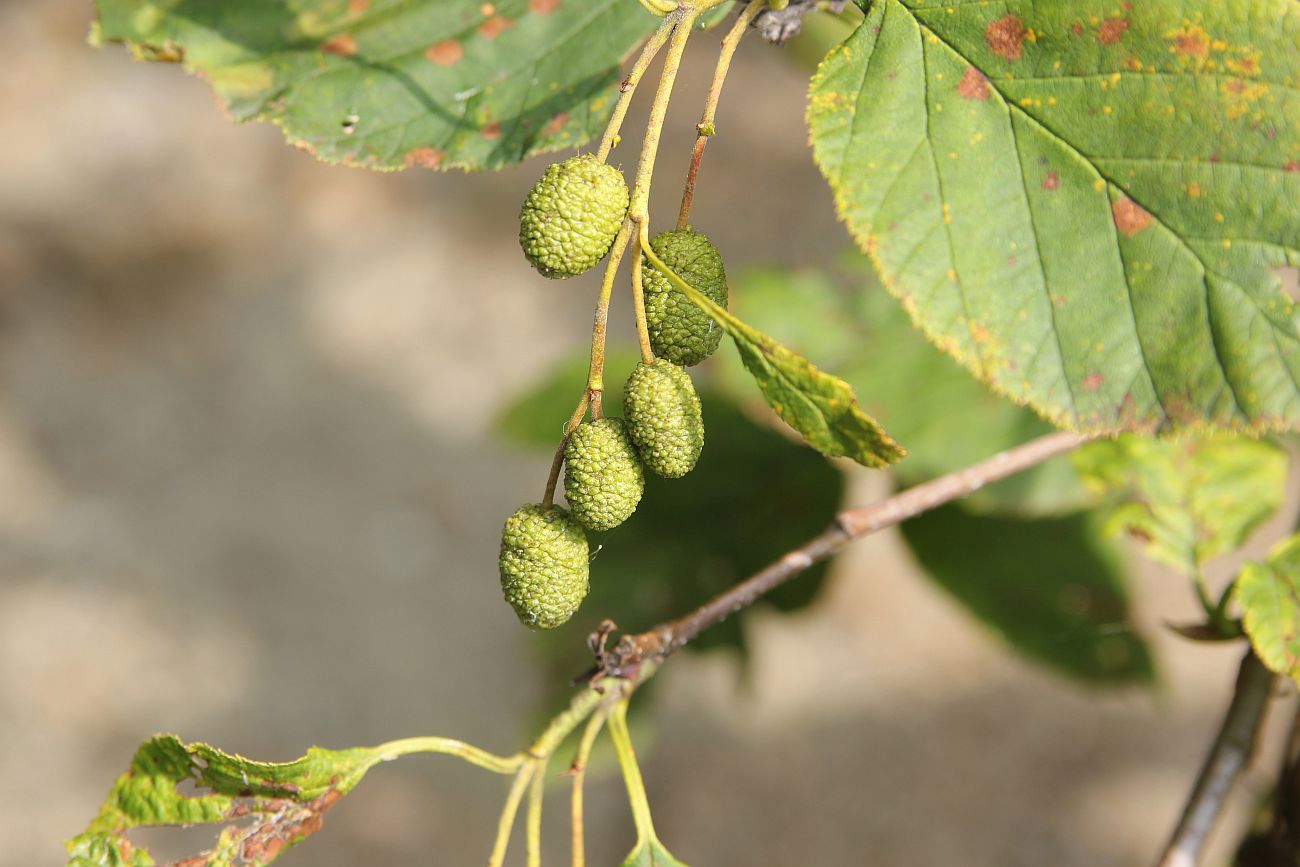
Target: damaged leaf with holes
<point>1084,202</point>
<point>264,808</point>
<point>387,85</point>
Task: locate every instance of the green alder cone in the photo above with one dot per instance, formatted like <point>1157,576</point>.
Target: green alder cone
<point>571,216</point>
<point>603,478</point>
<point>664,418</point>
<point>679,331</point>
<point>543,565</point>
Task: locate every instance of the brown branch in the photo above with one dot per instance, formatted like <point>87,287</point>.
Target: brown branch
<point>1228,757</point>
<point>661,641</point>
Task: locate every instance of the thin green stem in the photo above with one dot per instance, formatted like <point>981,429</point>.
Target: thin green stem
<point>534,826</point>
<point>579,771</point>
<point>507,821</point>
<point>638,304</point>
<point>683,22</point>
<point>622,740</point>
<point>451,747</point>
<point>596,370</point>
<point>705,127</point>
<point>553,479</point>
<point>628,88</point>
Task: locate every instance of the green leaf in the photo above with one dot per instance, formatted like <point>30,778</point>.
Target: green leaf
<point>1186,501</point>
<point>392,83</point>
<point>1047,586</point>
<point>848,323</point>
<point>286,802</point>
<point>1084,202</point>
<point>821,407</point>
<point>651,853</point>
<point>725,520</point>
<point>1269,596</point>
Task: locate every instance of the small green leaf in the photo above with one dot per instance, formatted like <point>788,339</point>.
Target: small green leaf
<point>1269,596</point>
<point>286,801</point>
<point>1047,586</point>
<point>1085,202</point>
<point>1186,501</point>
<point>821,407</point>
<point>651,853</point>
<point>388,84</point>
<point>843,320</point>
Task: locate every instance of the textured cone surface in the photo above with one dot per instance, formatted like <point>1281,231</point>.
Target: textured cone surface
<point>603,479</point>
<point>663,417</point>
<point>543,565</point>
<point>571,216</point>
<point>679,331</point>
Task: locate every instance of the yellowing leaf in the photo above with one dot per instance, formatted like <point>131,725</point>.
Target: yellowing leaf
<point>1269,596</point>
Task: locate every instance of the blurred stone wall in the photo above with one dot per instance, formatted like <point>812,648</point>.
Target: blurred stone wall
<point>249,493</point>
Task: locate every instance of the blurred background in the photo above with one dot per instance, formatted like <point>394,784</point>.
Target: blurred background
<point>260,423</point>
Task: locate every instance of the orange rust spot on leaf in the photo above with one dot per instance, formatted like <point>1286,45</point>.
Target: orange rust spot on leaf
<point>356,7</point>
<point>543,7</point>
<point>491,131</point>
<point>446,52</point>
<point>342,45</point>
<point>973,85</point>
<point>1292,166</point>
<point>1051,181</point>
<point>494,27</point>
<point>1112,30</point>
<point>1093,381</point>
<point>426,157</point>
<point>1190,42</point>
<point>1130,217</point>
<point>1004,37</point>
<point>555,124</point>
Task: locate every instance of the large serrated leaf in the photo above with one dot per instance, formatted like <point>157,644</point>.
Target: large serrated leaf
<point>392,83</point>
<point>1186,501</point>
<point>1269,596</point>
<point>278,804</point>
<point>1083,201</point>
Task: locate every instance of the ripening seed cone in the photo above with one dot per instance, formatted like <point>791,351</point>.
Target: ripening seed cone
<point>544,565</point>
<point>664,418</point>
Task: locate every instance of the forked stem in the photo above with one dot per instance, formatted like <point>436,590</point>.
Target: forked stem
<point>628,88</point>
<point>705,127</point>
<point>683,22</point>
